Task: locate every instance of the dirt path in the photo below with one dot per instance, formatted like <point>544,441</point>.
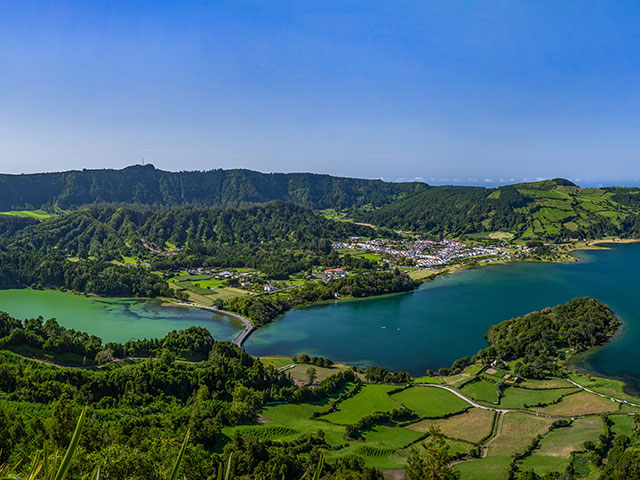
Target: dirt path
<point>88,367</point>
<point>465,398</point>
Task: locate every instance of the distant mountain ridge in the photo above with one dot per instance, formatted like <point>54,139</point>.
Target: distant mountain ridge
<point>553,210</point>
<point>150,186</point>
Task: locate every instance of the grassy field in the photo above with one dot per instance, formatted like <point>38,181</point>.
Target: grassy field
<point>515,432</point>
<point>421,274</point>
<point>607,386</point>
<point>471,426</point>
<point>623,424</point>
<point>430,402</point>
<point>581,403</point>
<point>555,448</point>
<point>490,468</point>
<point>299,370</point>
<point>387,446</point>
<point>397,437</point>
<point>37,214</point>
<point>546,383</point>
<point>481,390</point>
<point>514,397</point>
<point>374,455</point>
<point>371,399</point>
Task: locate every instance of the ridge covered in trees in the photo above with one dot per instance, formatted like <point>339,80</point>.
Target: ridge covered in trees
<point>114,230</point>
<point>150,186</point>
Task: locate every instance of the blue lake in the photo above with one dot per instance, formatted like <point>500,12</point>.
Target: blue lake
<point>447,319</point>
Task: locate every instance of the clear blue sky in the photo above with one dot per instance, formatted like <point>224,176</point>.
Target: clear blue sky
<point>393,89</point>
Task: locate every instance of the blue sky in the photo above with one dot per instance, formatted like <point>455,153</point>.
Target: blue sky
<point>449,91</point>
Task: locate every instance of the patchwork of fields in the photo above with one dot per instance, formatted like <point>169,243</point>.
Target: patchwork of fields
<point>496,433</point>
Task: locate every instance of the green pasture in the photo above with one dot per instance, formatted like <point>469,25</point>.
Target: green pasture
<point>490,468</point>
<point>481,390</point>
<point>396,437</point>
<point>37,214</point>
<point>370,399</point>
<point>430,402</point>
<point>514,397</point>
<point>471,426</point>
<point>554,452</point>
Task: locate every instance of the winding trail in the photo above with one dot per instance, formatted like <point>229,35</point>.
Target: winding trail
<point>468,400</point>
<point>249,328</point>
<point>88,367</point>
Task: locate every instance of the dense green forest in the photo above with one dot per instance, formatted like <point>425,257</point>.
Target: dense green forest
<point>23,269</point>
<point>538,337</point>
<point>114,230</point>
<point>147,185</point>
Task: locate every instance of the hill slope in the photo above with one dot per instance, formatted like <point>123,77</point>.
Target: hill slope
<point>121,229</point>
<point>149,186</point>
<point>551,209</point>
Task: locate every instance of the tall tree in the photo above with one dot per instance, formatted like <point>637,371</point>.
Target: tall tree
<point>435,462</point>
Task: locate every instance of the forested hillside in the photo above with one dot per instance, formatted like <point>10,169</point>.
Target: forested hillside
<point>149,186</point>
<point>553,209</point>
<point>82,250</point>
<point>114,229</point>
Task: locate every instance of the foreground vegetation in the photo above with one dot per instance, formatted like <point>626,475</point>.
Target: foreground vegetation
<point>249,416</point>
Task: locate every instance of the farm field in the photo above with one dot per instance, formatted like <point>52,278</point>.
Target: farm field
<point>471,426</point>
<point>37,214</point>
<point>481,390</point>
<point>371,399</point>
<point>515,432</point>
<point>581,403</point>
<point>496,437</point>
<point>554,451</point>
<point>430,402</point>
<point>606,386</point>
<point>546,383</point>
<point>397,437</point>
<point>514,397</point>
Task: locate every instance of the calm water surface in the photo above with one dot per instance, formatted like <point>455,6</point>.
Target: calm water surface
<point>113,320</point>
<point>447,319</point>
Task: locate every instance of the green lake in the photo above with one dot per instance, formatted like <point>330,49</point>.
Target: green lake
<point>447,319</point>
<point>114,320</point>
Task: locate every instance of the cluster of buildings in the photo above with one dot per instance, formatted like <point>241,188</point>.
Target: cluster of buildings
<point>242,277</point>
<point>429,253</point>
